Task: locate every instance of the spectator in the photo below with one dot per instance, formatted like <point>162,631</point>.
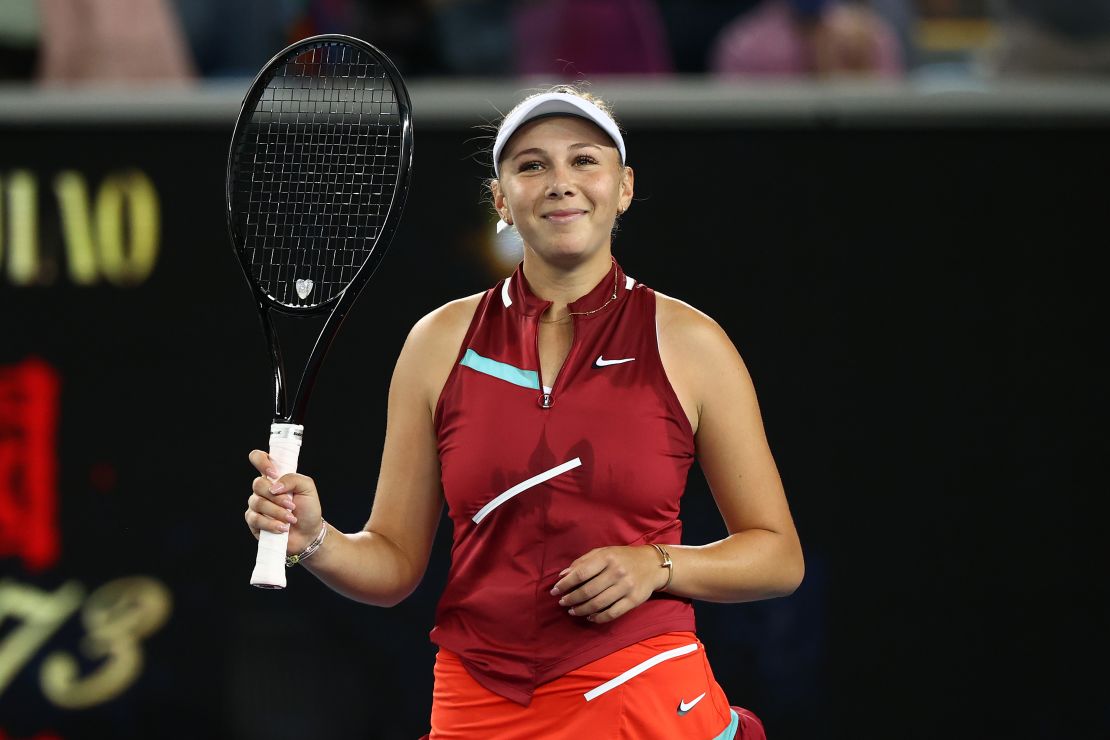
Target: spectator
<point>1051,37</point>
<point>234,39</point>
<point>112,41</point>
<point>571,38</point>
<point>902,17</point>
<point>808,38</point>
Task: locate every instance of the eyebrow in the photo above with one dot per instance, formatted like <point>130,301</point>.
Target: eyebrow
<point>539,150</point>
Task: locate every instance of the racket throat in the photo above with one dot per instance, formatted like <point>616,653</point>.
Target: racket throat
<point>277,364</point>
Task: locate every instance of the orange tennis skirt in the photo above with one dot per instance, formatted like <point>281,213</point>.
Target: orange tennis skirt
<point>661,687</point>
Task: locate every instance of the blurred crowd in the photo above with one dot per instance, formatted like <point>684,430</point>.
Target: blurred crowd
<point>71,41</point>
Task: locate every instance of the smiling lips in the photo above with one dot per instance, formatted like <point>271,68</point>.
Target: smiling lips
<point>564,216</point>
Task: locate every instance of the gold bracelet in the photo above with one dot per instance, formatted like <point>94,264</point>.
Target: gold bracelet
<point>291,560</point>
<point>667,563</point>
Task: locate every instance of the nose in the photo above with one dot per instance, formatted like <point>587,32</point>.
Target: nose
<point>559,183</point>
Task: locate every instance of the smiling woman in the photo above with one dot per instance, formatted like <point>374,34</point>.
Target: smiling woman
<point>557,415</point>
<point>554,147</point>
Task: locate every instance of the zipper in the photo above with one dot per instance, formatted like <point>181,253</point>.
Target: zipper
<point>547,400</point>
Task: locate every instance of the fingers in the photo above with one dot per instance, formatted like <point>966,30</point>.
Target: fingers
<point>262,513</point>
<point>600,592</point>
<point>282,504</point>
<point>283,490</point>
<point>619,608</point>
<point>259,522</point>
<point>579,572</point>
<point>269,510</point>
<point>271,504</point>
<point>586,605</point>
<point>608,605</point>
<point>263,464</point>
<point>604,584</point>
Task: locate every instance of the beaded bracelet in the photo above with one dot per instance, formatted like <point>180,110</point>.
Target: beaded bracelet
<point>291,560</point>
<point>667,563</point>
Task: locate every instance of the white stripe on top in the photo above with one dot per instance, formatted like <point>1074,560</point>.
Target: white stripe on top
<point>636,670</point>
<point>505,293</point>
<point>629,282</point>
<point>535,480</point>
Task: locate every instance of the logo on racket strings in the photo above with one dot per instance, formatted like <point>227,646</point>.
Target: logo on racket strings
<point>304,287</point>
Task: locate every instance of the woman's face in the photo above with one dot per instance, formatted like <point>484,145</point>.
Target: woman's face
<point>562,185</point>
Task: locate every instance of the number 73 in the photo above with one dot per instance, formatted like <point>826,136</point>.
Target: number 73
<point>117,616</point>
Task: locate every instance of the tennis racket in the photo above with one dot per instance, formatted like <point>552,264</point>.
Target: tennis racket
<point>317,177</point>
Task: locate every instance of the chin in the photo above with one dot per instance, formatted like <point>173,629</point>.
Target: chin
<point>566,253</point>
<point>571,244</point>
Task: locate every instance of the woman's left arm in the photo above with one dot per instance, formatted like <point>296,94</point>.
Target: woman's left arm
<point>762,556</point>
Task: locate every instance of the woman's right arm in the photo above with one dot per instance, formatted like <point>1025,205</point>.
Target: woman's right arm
<point>385,562</point>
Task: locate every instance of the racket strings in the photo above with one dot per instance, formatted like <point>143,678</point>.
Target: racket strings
<point>317,173</point>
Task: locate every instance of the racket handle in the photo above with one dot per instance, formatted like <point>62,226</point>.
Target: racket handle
<point>269,565</point>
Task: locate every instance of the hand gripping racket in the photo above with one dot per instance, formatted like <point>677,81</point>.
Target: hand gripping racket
<point>317,177</point>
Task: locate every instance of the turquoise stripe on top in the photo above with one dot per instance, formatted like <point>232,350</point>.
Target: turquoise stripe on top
<point>730,732</point>
<point>502,370</point>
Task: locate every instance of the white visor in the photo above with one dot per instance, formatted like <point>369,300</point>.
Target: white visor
<point>554,103</point>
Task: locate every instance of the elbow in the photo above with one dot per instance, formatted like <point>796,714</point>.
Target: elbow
<point>390,602</point>
<point>402,575</point>
<point>386,599</point>
<point>795,573</point>
<point>794,579</point>
<point>404,589</point>
<point>791,574</point>
<point>400,595</point>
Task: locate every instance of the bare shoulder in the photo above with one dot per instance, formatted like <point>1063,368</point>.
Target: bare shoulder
<point>696,354</point>
<point>684,329</point>
<point>446,324</point>
<point>432,346</point>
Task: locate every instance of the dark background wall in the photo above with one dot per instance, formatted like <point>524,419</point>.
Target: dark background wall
<point>920,306</point>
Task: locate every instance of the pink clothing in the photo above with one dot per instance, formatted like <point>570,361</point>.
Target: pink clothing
<point>568,38</point>
<point>112,41</point>
<point>769,41</point>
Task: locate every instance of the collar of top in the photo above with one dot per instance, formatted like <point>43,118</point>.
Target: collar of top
<point>517,295</point>
<point>549,104</point>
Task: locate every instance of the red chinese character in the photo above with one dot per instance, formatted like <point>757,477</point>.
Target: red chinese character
<point>28,463</point>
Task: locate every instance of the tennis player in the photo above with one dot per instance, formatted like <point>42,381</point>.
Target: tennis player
<point>557,415</point>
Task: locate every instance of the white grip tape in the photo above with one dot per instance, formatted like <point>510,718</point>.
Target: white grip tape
<point>269,565</point>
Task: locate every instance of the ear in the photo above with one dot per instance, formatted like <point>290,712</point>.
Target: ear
<point>499,202</point>
<point>628,181</point>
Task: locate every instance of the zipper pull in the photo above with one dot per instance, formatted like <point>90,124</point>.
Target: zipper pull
<point>546,401</point>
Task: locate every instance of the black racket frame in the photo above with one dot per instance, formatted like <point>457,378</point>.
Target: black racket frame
<point>341,304</point>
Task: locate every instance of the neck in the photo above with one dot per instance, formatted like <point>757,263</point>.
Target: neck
<point>565,285</point>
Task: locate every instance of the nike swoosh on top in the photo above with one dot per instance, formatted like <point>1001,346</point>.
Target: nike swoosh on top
<point>683,707</point>
<point>602,362</point>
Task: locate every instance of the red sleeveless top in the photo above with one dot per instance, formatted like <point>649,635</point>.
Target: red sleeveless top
<point>535,479</point>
